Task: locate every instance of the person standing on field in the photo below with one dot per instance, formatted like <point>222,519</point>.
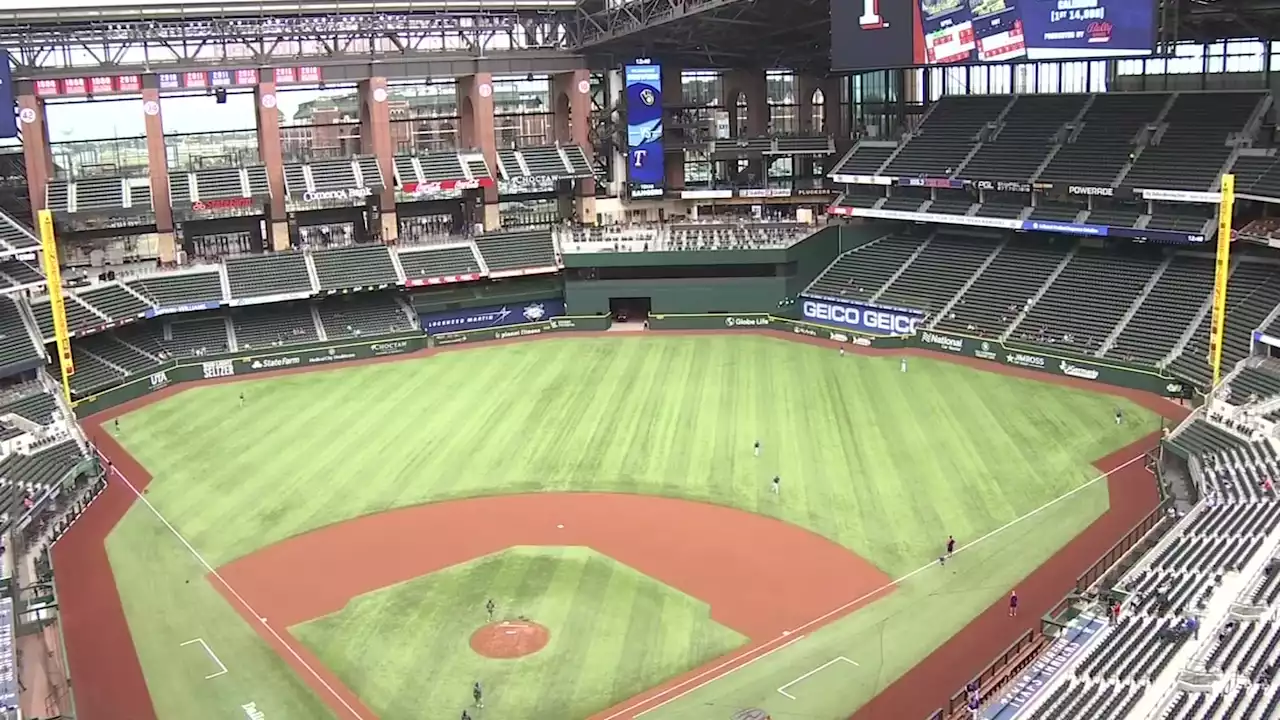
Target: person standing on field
<point>757,448</point>
<point>478,695</point>
<point>904,364</point>
<point>776,480</point>
<point>1013,604</point>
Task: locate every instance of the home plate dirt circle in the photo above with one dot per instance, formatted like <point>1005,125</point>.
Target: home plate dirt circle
<point>508,640</point>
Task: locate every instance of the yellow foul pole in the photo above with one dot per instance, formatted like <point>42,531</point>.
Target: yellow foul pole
<point>1222,269</point>
<point>53,275</point>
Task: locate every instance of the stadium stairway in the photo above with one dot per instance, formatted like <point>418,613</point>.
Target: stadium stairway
<point>1141,298</point>
<point>977,273</point>
<point>1044,288</point>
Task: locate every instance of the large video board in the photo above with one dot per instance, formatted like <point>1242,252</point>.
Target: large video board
<point>645,170</point>
<point>870,34</point>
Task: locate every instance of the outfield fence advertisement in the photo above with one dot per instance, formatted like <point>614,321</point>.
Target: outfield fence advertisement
<point>837,325</point>
<point>1110,373</point>
<point>862,318</point>
<point>451,321</point>
<point>529,329</point>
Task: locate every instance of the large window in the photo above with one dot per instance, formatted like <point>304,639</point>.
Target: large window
<point>200,132</point>
<point>97,138</point>
<point>319,124</point>
<point>522,112</point>
<point>424,118</point>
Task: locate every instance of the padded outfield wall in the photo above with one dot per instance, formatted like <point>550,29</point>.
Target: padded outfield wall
<point>241,364</point>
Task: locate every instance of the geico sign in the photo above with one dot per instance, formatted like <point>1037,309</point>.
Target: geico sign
<point>359,193</point>
<point>883,321</point>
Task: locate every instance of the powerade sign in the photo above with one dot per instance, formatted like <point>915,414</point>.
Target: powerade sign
<point>8,109</point>
<point>862,318</point>
<point>645,171</point>
<point>491,316</point>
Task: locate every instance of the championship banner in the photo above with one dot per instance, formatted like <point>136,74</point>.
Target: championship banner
<point>53,279</point>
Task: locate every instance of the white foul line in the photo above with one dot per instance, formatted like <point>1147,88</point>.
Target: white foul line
<point>813,672</point>
<point>708,672</point>
<point>239,598</point>
<point>222,669</point>
<point>894,583</point>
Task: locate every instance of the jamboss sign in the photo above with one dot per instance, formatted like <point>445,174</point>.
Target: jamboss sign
<point>862,318</point>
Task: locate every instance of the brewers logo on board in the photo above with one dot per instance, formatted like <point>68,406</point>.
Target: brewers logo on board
<point>648,97</point>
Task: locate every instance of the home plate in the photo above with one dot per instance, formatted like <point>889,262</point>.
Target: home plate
<point>560,526</point>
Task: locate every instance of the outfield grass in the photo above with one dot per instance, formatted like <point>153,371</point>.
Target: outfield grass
<point>881,462</point>
<point>614,633</point>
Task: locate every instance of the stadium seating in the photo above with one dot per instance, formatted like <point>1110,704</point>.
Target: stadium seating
<point>178,289</point>
<point>1058,211</point>
<point>1189,152</point>
<point>1183,217</point>
<point>733,236</point>
<point>1252,382</point>
<point>285,273</point>
<point>15,235</point>
<point>1023,138</point>
<point>860,273</point>
<point>114,301</point>
<point>952,128</point>
<point>31,475</point>
<point>439,262</point>
<point>16,273</point>
<point>938,272</point>
<point>952,202</point>
<point>352,316</point>
<point>517,249</point>
<point>1086,300</point>
<point>92,372</point>
<point>906,199</point>
<point>1258,174</point>
<point>1174,302</point>
<point>1003,289</point>
<point>16,342</point>
<point>1115,215</point>
<point>1253,291</point>
<point>1201,437</point>
<point>355,266</point>
<point>865,158</point>
<point>36,406</point>
<point>273,326</point>
<point>120,354</point>
<point>1098,148</point>
<point>196,335</point>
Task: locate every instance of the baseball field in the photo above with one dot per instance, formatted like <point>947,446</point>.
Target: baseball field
<point>324,544</point>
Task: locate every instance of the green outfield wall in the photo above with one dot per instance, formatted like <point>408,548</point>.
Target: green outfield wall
<point>311,355</point>
<point>1105,372</point>
<point>246,363</point>
<point>700,295</point>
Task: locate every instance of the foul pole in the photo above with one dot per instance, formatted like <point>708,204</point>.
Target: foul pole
<point>53,276</point>
<point>1222,270</point>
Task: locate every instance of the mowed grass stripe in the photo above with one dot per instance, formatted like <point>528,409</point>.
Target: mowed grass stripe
<point>854,440</point>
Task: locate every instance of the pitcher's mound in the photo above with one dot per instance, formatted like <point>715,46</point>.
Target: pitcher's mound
<point>512,639</point>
